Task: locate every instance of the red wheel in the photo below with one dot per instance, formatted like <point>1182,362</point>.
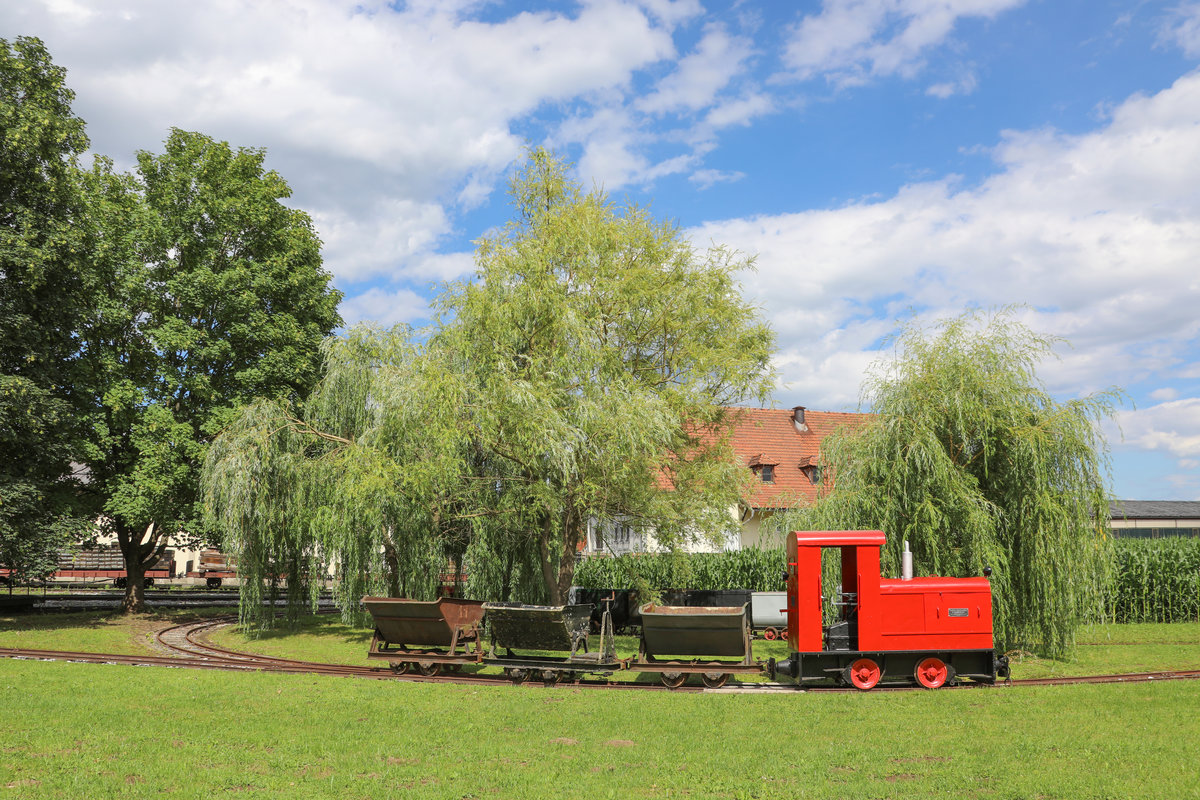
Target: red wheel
<point>864,674</point>
<point>770,635</point>
<point>932,672</point>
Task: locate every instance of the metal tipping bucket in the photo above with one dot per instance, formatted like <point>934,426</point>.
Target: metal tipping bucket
<point>518,626</point>
<point>695,631</point>
<point>417,623</point>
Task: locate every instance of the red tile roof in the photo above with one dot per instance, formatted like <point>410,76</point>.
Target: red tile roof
<point>767,436</point>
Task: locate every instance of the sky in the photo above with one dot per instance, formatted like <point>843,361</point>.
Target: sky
<point>879,158</point>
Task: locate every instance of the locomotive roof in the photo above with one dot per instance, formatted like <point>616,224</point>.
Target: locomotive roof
<point>839,538</point>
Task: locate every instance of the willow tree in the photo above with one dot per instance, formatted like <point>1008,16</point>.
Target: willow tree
<point>367,478</point>
<point>603,348</point>
<point>579,376</point>
<point>969,459</point>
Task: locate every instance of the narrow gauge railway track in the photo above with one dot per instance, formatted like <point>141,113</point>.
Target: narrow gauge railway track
<point>190,651</point>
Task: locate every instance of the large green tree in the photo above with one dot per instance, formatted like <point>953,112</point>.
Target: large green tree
<point>971,460</point>
<point>605,349</point>
<point>43,300</point>
<point>213,294</point>
<point>581,374</point>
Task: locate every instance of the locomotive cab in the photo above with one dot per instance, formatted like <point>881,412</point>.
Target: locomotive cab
<point>928,630</point>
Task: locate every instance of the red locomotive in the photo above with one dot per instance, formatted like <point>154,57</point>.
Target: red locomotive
<point>925,629</point>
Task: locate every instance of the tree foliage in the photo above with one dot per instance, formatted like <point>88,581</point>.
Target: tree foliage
<point>604,348</point>
<point>970,459</point>
<point>580,375</point>
<point>42,302</point>
<point>210,293</point>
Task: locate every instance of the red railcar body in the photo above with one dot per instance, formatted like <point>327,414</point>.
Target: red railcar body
<point>926,629</point>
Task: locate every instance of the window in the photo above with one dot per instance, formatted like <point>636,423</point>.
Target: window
<point>767,473</point>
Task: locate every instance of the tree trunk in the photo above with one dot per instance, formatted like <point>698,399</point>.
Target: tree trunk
<point>138,550</point>
<point>392,560</point>
<point>545,549</point>
<point>135,587</point>
<point>573,529</point>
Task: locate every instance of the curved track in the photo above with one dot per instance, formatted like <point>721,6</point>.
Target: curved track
<point>184,646</point>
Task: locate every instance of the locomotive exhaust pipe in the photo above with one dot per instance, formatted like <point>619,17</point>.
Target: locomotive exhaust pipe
<point>906,563</point>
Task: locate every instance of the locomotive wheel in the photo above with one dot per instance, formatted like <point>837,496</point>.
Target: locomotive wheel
<point>864,674</point>
<point>714,680</point>
<point>429,670</point>
<point>673,680</point>
<point>399,667</point>
<point>770,634</point>
<point>932,673</point>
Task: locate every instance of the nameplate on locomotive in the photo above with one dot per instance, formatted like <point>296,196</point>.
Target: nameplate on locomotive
<point>959,612</point>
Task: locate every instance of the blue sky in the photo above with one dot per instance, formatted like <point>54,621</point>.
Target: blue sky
<point>877,156</point>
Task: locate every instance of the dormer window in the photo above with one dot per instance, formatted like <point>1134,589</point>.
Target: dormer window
<point>763,467</point>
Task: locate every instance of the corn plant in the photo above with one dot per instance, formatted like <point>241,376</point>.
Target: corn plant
<point>1155,580</point>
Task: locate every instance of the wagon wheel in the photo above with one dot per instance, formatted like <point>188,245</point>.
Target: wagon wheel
<point>673,680</point>
<point>399,667</point>
<point>931,672</point>
<point>714,680</point>
<point>770,634</point>
<point>452,667</point>
<point>515,675</point>
<point>863,674</point>
<point>549,677</point>
<point>429,670</point>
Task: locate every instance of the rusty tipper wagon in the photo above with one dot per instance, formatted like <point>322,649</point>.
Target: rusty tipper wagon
<point>543,629</point>
<point>671,632</point>
<point>426,635</point>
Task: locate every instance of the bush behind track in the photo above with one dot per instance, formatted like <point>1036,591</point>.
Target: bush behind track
<point>1153,580</point>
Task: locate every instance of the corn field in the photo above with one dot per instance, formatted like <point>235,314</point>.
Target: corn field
<point>1152,580</point>
<point>1155,580</point>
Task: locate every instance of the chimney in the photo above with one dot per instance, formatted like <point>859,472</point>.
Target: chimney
<point>798,419</point>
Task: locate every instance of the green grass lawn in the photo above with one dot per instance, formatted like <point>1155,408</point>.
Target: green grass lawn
<point>89,731</point>
<point>95,631</point>
<point>84,731</point>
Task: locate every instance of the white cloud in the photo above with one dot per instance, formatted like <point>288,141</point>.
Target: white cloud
<point>1098,233</point>
<point>375,241</point>
<point>386,120</point>
<point>706,178</point>
<point>966,84</point>
<point>388,308</point>
<point>700,75</point>
<point>852,41</point>
<point>1166,393</point>
<point>739,111</point>
<point>1182,29</point>
<point>1172,427</point>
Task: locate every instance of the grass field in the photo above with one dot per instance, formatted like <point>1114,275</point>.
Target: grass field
<point>84,731</point>
<point>77,730</point>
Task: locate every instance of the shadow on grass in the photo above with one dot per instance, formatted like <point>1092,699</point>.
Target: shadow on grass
<point>44,620</point>
<point>323,626</point>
